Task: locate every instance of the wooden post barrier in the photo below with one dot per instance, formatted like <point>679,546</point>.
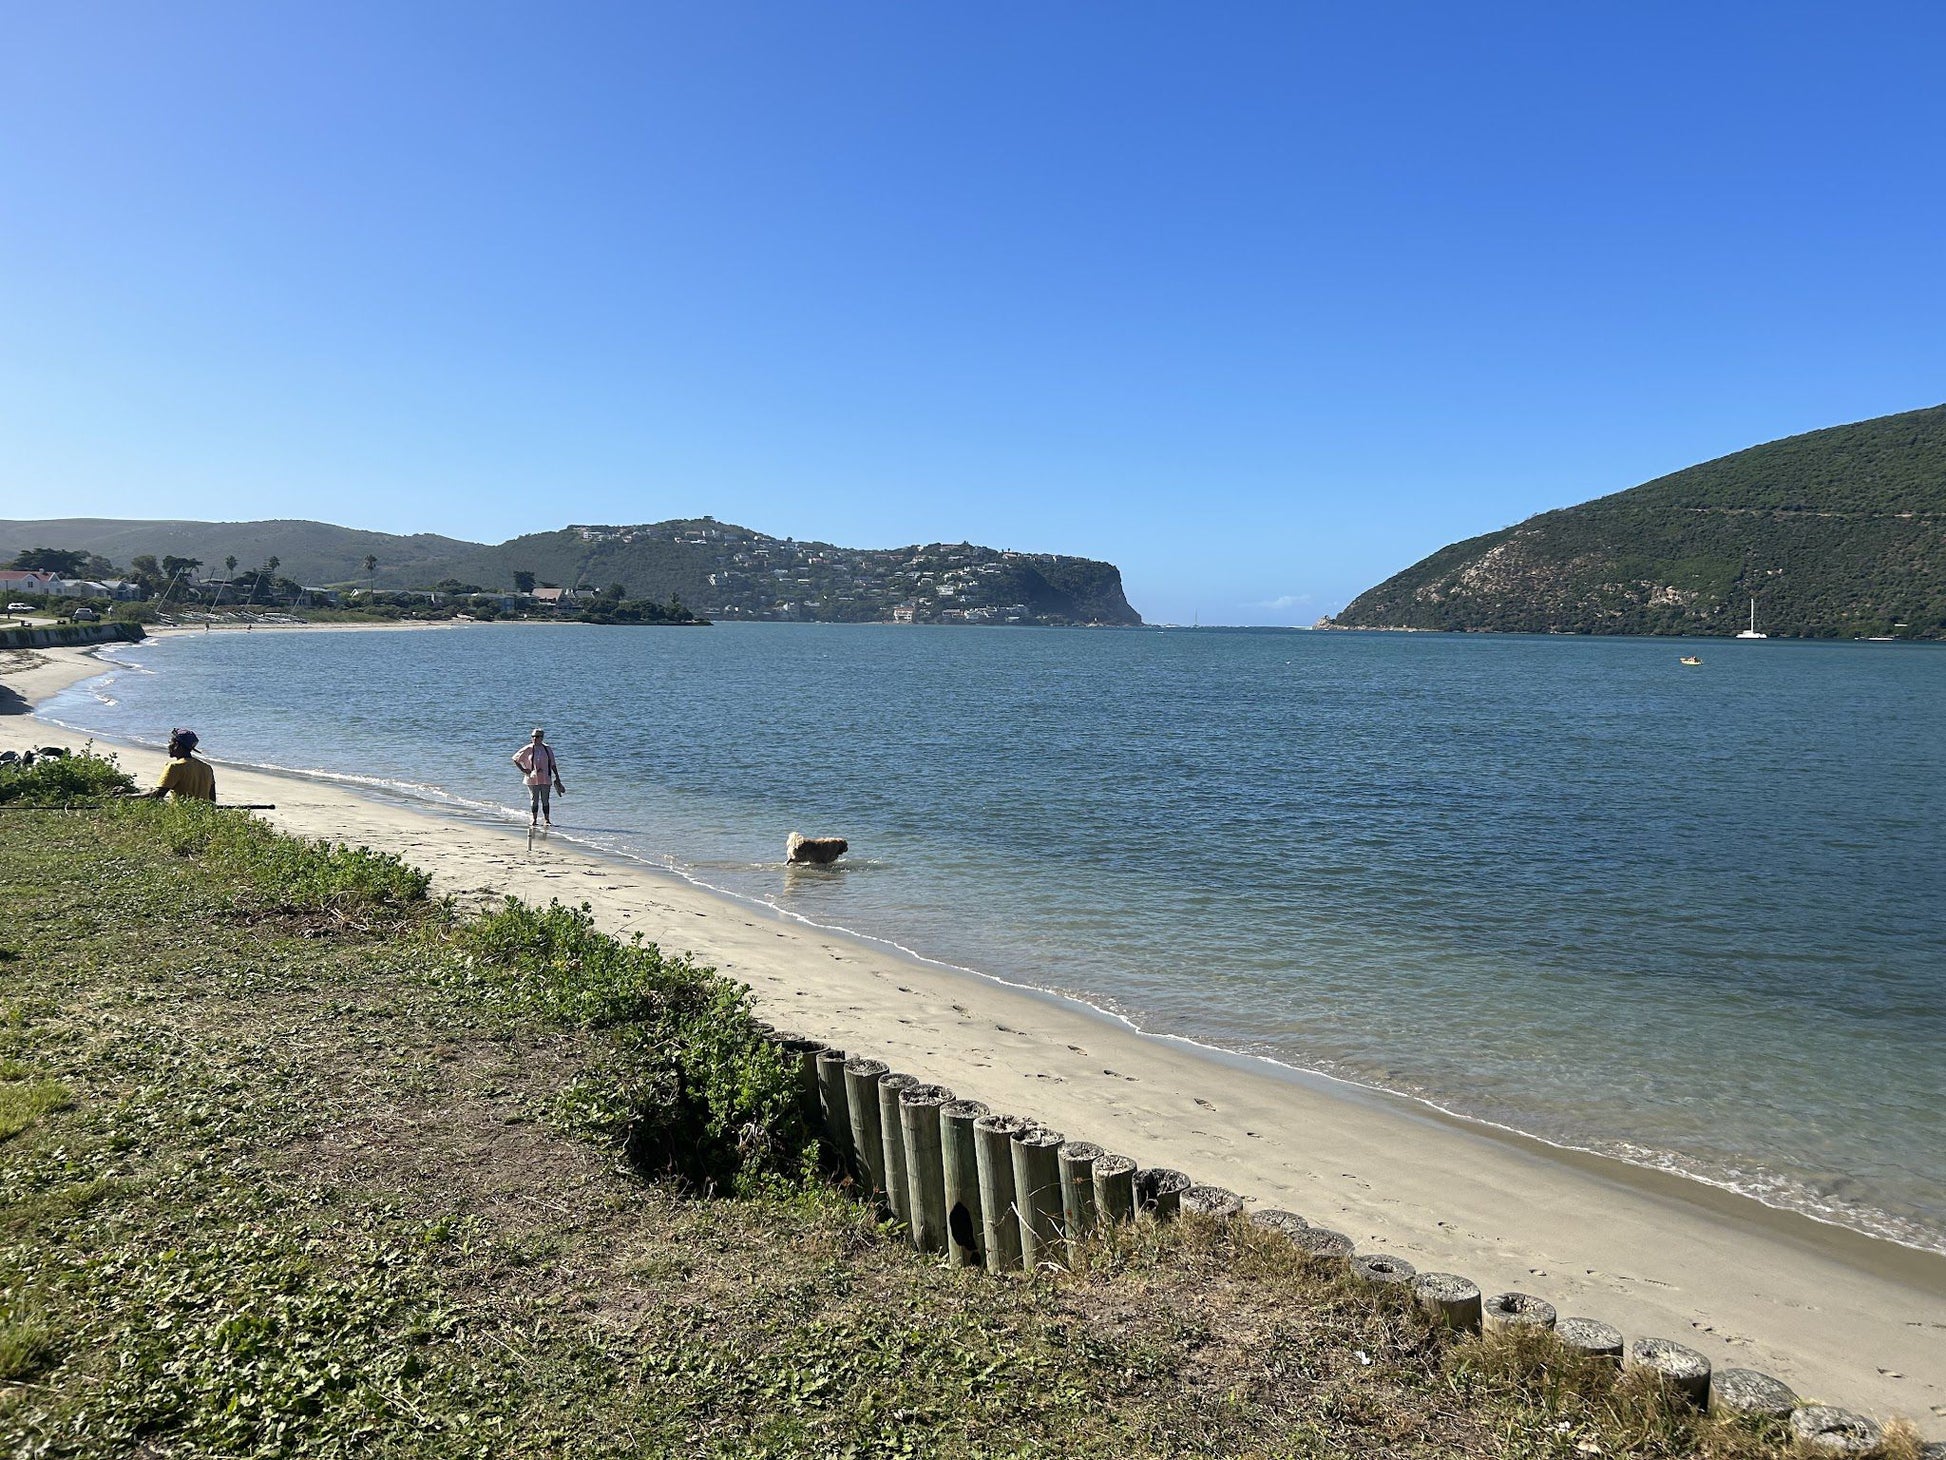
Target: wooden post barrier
<point>1159,1190</point>
<point>1078,1188</point>
<point>1114,1178</point>
<point>1452,1299</point>
<point>1212,1201</point>
<point>1747,1394</point>
<point>898,1195</point>
<point>1688,1370</point>
<point>829,1065</point>
<point>925,1172</point>
<point>960,1157</point>
<point>1592,1337</point>
<point>1037,1194</point>
<point>867,1135</point>
<point>1516,1310</point>
<point>993,1145</point>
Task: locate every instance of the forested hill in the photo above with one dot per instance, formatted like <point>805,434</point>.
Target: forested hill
<point>1839,533</point>
<point>719,570</point>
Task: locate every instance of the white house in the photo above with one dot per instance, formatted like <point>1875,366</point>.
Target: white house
<point>28,580</point>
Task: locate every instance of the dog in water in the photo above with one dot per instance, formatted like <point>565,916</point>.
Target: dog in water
<point>814,849</point>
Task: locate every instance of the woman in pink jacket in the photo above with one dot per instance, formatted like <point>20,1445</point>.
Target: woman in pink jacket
<point>542,773</point>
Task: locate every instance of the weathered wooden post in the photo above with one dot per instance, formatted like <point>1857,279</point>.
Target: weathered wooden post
<point>924,1169</point>
<point>1037,1194</point>
<point>1271,1219</point>
<point>867,1136</point>
<point>1825,1429</point>
<point>1211,1201</point>
<point>1159,1190</point>
<point>1114,1178</point>
<point>1688,1370</point>
<point>993,1145</point>
<point>830,1068</point>
<point>1516,1310</point>
<point>1382,1270</point>
<point>1453,1300</point>
<point>1747,1394</point>
<point>1323,1242</point>
<point>898,1195</point>
<point>805,1052</point>
<point>1078,1188</point>
<point>960,1157</point>
<point>1592,1337</point>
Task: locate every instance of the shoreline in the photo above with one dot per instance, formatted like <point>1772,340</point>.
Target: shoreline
<point>1841,1316</point>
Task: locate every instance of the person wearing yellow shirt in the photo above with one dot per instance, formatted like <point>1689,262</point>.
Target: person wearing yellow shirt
<point>185,777</point>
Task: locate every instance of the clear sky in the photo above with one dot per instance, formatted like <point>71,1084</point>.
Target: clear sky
<point>1263,302</point>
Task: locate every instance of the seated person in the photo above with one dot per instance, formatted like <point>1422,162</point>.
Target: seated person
<point>185,777</point>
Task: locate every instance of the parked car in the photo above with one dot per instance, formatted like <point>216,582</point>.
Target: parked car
<point>85,615</point>
<point>20,608</point>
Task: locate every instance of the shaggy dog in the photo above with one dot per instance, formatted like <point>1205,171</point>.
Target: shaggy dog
<point>814,848</point>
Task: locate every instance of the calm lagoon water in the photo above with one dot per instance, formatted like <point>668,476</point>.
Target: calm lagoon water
<point>1688,917</point>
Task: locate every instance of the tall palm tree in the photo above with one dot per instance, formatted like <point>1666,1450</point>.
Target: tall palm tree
<point>371,573</point>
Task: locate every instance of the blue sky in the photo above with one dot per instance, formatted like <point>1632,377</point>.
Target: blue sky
<point>1262,302</point>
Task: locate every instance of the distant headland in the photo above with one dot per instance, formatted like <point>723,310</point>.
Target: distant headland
<point>714,569</point>
<point>1839,533</point>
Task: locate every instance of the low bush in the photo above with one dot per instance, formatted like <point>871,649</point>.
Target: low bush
<point>84,776</point>
<point>292,873</point>
<point>684,1083</point>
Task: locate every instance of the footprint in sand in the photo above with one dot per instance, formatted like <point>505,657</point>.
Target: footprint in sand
<point>1204,1103</point>
<point>1078,1050</point>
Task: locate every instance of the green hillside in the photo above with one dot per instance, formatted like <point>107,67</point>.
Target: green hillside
<point>1839,533</point>
<point>717,568</point>
<point>310,552</point>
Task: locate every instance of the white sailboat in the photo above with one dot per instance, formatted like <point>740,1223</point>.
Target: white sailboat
<point>1751,632</point>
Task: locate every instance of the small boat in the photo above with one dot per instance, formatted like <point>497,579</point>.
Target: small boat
<point>1751,632</point>
<point>1690,659</point>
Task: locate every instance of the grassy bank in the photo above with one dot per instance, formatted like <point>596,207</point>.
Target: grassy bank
<point>294,1161</point>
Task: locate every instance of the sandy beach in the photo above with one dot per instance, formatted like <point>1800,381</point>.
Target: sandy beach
<point>1842,1318</point>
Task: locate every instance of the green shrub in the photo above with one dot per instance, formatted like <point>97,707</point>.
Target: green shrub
<point>686,1085</point>
<point>84,776</point>
<point>297,874</point>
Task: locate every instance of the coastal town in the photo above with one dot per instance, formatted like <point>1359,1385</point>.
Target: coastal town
<point>752,575</point>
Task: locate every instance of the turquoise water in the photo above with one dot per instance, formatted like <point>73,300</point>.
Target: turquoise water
<point>1689,917</point>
